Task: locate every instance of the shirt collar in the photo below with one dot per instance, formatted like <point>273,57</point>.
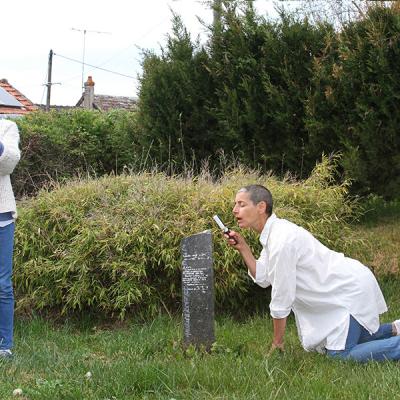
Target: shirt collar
<point>267,229</point>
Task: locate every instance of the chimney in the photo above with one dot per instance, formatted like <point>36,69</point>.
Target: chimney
<point>88,94</point>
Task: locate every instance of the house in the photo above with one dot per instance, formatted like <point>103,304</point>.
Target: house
<point>13,103</point>
<point>102,102</point>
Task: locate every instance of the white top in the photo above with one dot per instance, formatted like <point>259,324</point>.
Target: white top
<point>9,136</point>
<point>322,287</point>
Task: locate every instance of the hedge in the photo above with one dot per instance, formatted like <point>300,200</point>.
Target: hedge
<point>112,245</point>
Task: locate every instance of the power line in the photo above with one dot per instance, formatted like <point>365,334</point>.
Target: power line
<point>94,66</point>
<point>135,43</point>
<point>123,50</point>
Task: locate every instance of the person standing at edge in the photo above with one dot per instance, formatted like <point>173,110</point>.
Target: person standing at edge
<point>9,157</point>
<point>336,300</point>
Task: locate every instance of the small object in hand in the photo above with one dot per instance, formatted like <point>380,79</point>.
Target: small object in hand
<point>224,228</point>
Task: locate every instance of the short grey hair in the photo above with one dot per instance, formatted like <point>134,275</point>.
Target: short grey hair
<point>259,193</point>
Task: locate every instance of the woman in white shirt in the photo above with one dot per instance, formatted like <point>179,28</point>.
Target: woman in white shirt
<point>336,300</point>
<point>9,157</point>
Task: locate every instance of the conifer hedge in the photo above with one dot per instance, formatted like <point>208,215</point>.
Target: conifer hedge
<point>354,102</point>
<point>278,94</point>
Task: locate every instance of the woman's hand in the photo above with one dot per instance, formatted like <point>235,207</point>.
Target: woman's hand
<point>235,240</point>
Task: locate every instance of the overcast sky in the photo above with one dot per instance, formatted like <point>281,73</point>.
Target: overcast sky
<point>29,29</point>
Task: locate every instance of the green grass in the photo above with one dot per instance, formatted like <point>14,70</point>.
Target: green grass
<point>146,361</point>
<point>134,360</point>
<point>380,228</point>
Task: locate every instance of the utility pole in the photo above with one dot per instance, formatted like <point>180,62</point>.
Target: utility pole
<point>84,31</point>
<point>48,84</point>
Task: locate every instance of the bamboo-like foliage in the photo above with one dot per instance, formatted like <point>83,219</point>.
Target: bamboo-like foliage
<point>112,245</point>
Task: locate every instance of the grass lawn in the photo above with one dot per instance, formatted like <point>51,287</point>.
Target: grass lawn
<point>146,361</point>
<point>380,227</point>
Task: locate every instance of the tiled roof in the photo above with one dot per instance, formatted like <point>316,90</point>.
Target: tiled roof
<point>27,105</point>
<point>104,102</point>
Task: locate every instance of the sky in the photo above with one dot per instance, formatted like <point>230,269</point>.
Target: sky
<point>117,31</point>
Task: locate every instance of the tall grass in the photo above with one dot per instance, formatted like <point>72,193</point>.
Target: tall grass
<point>380,229</point>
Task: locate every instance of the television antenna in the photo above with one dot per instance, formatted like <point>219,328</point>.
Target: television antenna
<point>84,32</point>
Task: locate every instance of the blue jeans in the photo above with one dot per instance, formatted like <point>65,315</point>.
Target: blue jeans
<point>362,346</point>
<point>6,288</point>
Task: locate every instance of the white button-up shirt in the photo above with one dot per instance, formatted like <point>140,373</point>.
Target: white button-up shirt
<point>322,287</point>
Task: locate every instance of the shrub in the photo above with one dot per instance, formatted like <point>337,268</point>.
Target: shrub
<point>280,93</point>
<point>243,92</point>
<point>353,104</point>
<point>58,145</point>
<point>112,245</point>
<point>176,94</point>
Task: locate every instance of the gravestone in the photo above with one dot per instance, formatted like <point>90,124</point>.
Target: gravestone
<point>198,290</point>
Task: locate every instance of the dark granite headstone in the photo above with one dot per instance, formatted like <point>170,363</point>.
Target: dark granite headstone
<point>198,290</point>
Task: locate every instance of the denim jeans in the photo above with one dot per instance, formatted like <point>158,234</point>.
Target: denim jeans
<point>362,346</point>
<point>6,288</point>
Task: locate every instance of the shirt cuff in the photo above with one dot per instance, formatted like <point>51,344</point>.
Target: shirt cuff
<point>279,314</point>
<point>261,275</point>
